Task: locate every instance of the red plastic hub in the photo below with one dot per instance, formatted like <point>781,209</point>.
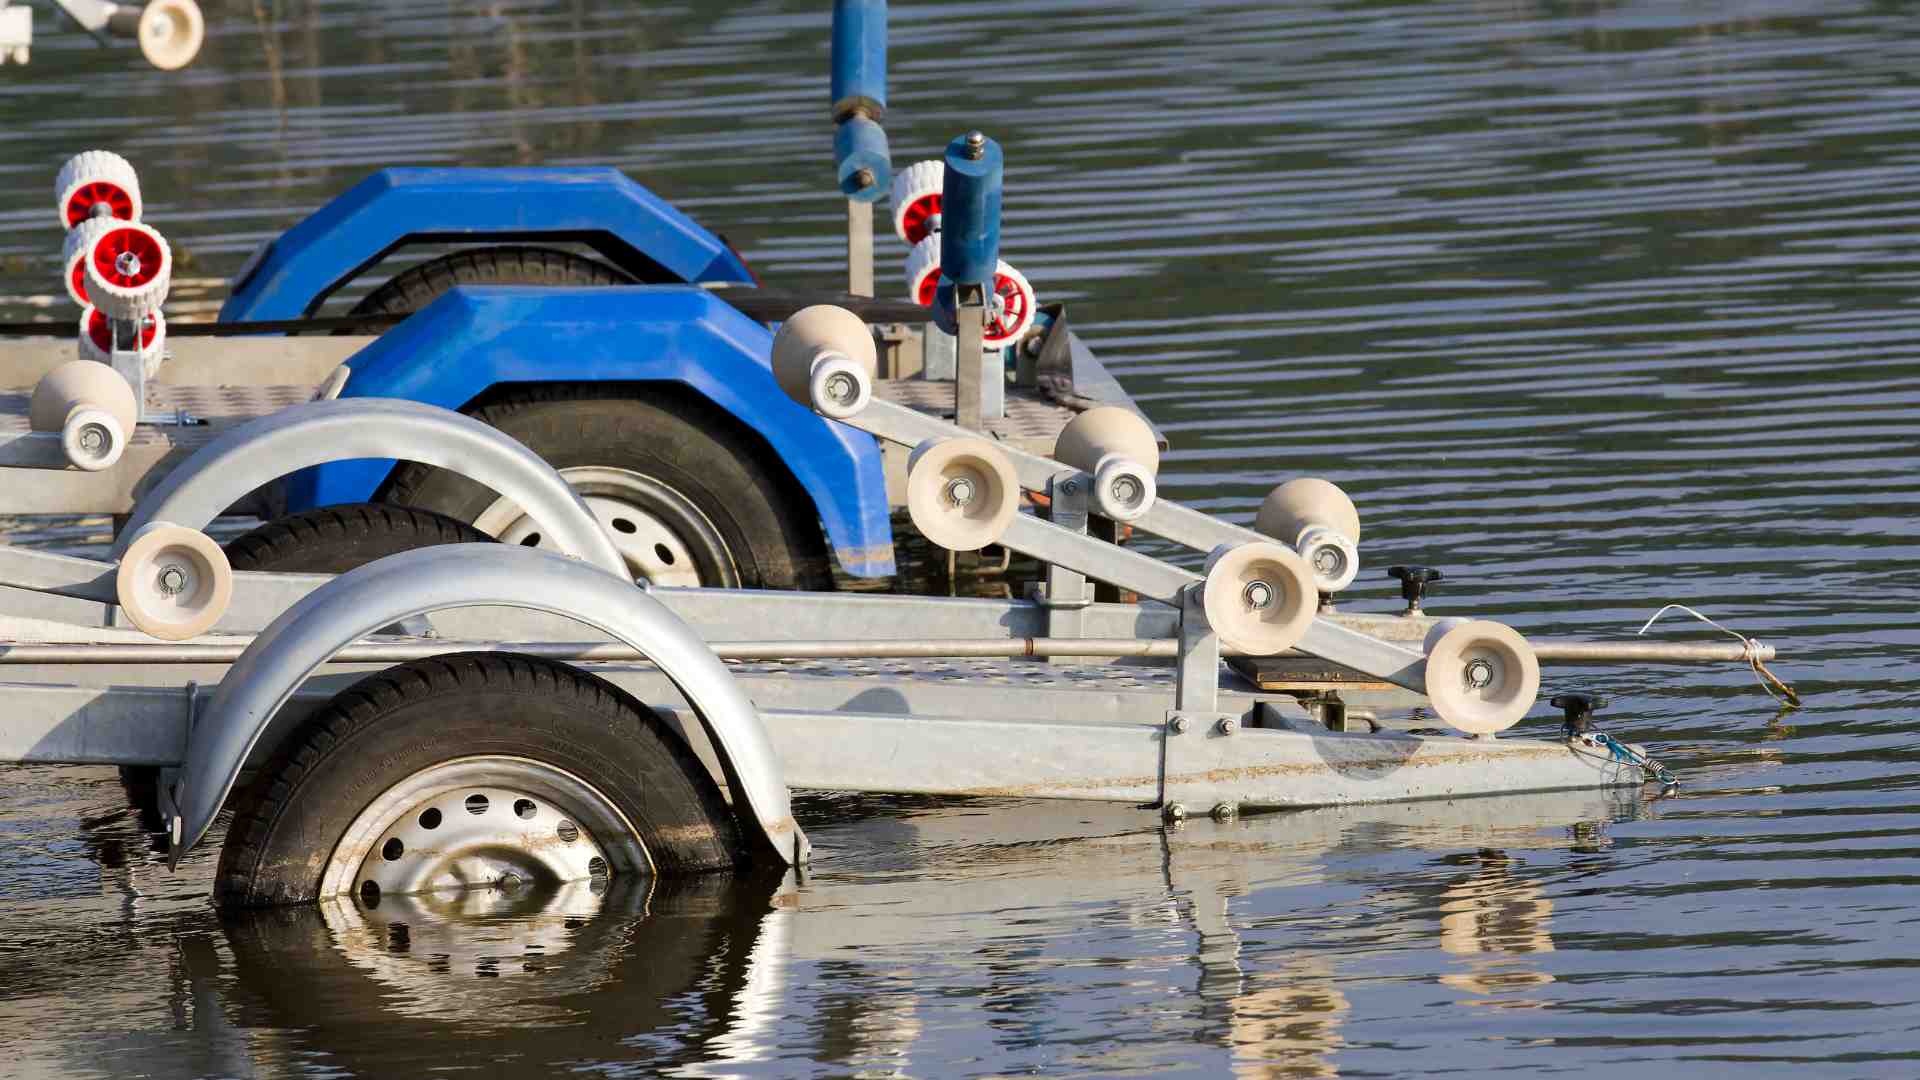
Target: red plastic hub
<point>917,221</point>
<point>80,205</point>
<point>929,285</point>
<point>100,329</point>
<point>80,279</point>
<point>117,242</point>
<point>1013,308</point>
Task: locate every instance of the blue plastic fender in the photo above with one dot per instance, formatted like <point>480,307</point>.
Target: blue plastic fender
<point>473,338</point>
<point>359,227</point>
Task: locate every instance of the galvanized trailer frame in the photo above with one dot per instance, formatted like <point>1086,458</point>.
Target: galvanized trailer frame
<point>888,717</point>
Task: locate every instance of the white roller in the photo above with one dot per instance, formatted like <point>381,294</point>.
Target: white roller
<point>916,200</point>
<point>824,358</point>
<point>1482,676</point>
<point>1115,446</point>
<point>961,493</point>
<point>173,582</point>
<point>171,32</point>
<point>91,407</point>
<point>96,338</point>
<point>129,270</point>
<point>1317,519</point>
<point>73,254</point>
<point>94,178</point>
<point>923,270</point>
<point>1259,597</point>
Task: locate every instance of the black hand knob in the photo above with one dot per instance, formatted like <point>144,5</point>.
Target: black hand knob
<point>1413,584</point>
<point>1578,707</point>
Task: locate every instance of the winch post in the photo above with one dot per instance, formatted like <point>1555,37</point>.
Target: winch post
<point>969,256</point>
<point>859,99</point>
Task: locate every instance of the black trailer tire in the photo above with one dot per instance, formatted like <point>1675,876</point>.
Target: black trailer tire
<point>336,539</point>
<point>417,286</point>
<point>375,749</point>
<point>685,468</point>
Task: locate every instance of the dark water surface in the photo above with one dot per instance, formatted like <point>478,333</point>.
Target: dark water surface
<point>1596,306</point>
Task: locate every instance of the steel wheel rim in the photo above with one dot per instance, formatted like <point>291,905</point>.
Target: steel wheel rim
<point>665,539</point>
<point>487,821</point>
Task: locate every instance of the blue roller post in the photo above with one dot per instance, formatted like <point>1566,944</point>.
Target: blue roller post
<point>970,210</point>
<point>861,163</point>
<point>859,58</point>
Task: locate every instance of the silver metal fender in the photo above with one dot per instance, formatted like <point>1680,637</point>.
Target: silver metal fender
<point>477,575</point>
<point>318,432</point>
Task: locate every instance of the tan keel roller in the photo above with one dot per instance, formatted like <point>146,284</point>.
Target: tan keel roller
<point>173,582</point>
<point>1259,597</point>
<point>91,407</point>
<point>1317,519</point>
<point>824,358</point>
<point>1117,448</point>
<point>961,493</point>
<point>1482,676</point>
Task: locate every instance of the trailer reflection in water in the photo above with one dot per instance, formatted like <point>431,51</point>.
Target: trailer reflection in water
<point>851,965</point>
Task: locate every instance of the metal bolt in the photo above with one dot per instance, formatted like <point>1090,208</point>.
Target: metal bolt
<point>841,387</point>
<point>976,144</point>
<point>93,438</point>
<point>1258,595</point>
<point>1069,487</point>
<point>960,491</point>
<point>1328,561</point>
<point>1479,674</point>
<point>1173,811</point>
<point>1226,725</point>
<point>863,177</point>
<point>1127,490</point>
<point>1178,725</point>
<point>1225,811</point>
<point>172,580</point>
<point>128,264</point>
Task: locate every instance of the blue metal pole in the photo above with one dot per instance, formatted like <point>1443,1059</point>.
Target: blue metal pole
<point>862,165</point>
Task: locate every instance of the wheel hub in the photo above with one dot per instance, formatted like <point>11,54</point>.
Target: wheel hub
<point>482,823</point>
<point>658,531</point>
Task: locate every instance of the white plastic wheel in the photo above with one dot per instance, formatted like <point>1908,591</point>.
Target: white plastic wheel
<point>173,583</point>
<point>73,255</point>
<point>1297,504</point>
<point>1482,676</point>
<point>171,32</point>
<point>129,269</point>
<point>1318,520</point>
<point>1117,448</point>
<point>961,493</point>
<point>91,407</point>
<point>1259,597</point>
<point>96,338</point>
<point>93,178</point>
<point>923,270</point>
<point>916,200</point>
<point>825,359</point>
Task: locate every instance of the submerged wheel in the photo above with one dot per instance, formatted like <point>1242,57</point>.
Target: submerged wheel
<point>417,286</point>
<point>472,770</point>
<point>336,539</point>
<point>687,496</point>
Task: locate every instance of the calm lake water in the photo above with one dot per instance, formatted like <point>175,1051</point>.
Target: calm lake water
<point>1596,306</point>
